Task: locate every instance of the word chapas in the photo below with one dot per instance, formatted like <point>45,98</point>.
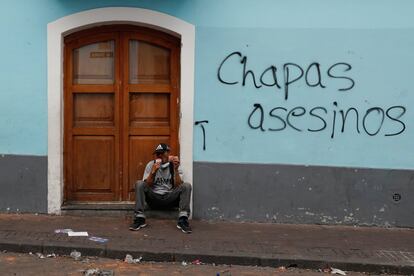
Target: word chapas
<point>286,76</point>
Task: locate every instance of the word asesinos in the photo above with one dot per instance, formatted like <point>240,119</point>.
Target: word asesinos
<point>291,73</point>
<point>279,118</point>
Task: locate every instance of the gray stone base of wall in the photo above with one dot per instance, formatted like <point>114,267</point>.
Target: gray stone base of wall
<point>303,194</point>
<point>23,184</point>
<point>254,192</point>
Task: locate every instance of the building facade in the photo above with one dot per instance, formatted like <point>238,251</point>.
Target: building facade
<point>285,112</point>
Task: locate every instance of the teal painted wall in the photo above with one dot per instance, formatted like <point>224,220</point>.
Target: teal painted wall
<point>381,63</point>
<point>375,37</point>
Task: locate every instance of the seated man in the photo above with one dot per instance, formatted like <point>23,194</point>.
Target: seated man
<point>162,187</point>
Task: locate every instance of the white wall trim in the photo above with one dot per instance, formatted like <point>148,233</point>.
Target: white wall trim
<point>105,16</point>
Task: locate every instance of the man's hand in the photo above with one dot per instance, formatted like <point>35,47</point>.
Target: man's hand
<point>154,169</point>
<point>175,160</point>
<point>156,166</point>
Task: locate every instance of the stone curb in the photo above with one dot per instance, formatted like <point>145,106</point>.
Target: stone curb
<point>107,252</point>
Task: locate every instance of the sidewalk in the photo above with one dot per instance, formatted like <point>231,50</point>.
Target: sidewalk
<point>305,246</point>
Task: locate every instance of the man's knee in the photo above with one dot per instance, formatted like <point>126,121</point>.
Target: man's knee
<point>140,185</point>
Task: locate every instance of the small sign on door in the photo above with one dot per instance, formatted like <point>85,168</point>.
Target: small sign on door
<point>101,54</point>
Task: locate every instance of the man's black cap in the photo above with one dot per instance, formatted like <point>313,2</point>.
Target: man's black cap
<point>161,148</point>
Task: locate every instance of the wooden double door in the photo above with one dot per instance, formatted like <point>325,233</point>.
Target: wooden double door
<point>121,100</point>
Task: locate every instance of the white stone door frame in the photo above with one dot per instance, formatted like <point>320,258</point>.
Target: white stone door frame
<point>56,31</point>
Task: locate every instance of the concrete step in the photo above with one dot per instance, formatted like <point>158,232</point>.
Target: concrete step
<point>113,210</point>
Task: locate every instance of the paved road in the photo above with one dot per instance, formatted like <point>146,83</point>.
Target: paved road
<point>27,265</point>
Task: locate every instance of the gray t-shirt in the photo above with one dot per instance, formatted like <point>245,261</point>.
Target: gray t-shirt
<point>162,179</point>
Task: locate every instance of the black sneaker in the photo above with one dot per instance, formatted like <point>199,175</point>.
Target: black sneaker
<point>184,225</point>
<point>139,222</point>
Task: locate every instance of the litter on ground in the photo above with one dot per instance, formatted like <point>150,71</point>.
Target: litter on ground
<point>63,231</point>
<point>76,255</point>
<point>97,272</point>
<point>337,271</point>
<point>130,260</point>
<point>196,262</point>
<point>98,239</point>
<point>78,234</point>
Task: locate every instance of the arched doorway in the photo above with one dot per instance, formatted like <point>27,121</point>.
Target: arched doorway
<point>121,98</point>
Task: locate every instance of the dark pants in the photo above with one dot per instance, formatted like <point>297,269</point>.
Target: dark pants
<point>179,196</point>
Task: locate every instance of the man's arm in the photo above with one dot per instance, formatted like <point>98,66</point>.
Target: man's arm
<point>150,172</point>
<point>177,177</point>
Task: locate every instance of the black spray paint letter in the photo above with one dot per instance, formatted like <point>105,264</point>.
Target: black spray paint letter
<point>204,131</point>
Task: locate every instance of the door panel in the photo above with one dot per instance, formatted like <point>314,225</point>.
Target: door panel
<point>148,63</point>
<point>93,109</point>
<point>94,166</point>
<point>121,100</point>
<point>94,63</point>
<point>149,109</point>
